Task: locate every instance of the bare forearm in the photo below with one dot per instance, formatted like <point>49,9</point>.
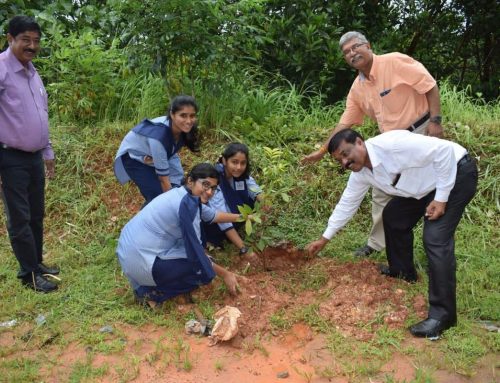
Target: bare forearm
<point>226,217</point>
<point>165,183</point>
<point>235,238</point>
<point>337,129</point>
<point>434,101</point>
<point>434,128</point>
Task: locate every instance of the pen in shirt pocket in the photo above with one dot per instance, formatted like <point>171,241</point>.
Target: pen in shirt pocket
<point>385,92</point>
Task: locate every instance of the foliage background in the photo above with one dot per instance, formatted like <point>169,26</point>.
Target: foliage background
<point>98,44</point>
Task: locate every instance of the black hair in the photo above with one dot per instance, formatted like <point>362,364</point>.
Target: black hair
<point>203,170</point>
<point>191,138</point>
<point>20,24</point>
<point>234,148</point>
<point>347,135</point>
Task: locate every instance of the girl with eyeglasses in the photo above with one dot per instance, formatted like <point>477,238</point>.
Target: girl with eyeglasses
<point>237,188</point>
<point>160,249</point>
<point>148,155</point>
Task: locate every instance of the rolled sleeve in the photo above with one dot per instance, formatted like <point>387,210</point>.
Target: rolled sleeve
<point>207,213</point>
<point>218,203</point>
<point>253,188</point>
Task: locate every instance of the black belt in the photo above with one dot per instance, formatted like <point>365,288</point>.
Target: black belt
<point>7,147</point>
<point>464,160</point>
<point>419,123</point>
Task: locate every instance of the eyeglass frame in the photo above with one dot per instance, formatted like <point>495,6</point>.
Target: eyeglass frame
<point>354,48</point>
<point>207,186</point>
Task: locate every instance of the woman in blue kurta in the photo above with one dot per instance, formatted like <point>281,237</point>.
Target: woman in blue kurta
<point>148,155</point>
<point>237,188</point>
<point>160,249</point>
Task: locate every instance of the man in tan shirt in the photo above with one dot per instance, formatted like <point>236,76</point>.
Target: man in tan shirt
<point>397,92</point>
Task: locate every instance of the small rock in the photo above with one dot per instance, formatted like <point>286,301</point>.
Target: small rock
<point>490,326</point>
<point>283,375</point>
<point>8,324</point>
<point>106,329</point>
<point>40,320</point>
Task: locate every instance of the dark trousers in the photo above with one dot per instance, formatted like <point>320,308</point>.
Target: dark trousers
<point>400,217</point>
<point>144,177</point>
<point>172,277</point>
<point>23,183</point>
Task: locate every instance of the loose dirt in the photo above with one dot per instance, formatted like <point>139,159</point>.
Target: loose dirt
<point>282,289</point>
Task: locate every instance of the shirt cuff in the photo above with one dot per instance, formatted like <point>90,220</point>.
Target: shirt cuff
<point>48,154</point>
<point>441,196</point>
<point>329,233</point>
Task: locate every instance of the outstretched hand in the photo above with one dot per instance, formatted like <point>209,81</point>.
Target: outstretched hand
<point>313,157</point>
<point>316,246</point>
<point>231,282</point>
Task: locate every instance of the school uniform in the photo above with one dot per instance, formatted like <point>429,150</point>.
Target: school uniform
<point>152,138</point>
<point>160,249</point>
<point>231,193</point>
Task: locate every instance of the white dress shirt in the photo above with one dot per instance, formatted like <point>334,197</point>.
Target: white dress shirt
<point>418,163</point>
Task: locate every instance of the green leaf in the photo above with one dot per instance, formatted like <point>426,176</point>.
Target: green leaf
<point>261,245</point>
<point>248,227</point>
<point>285,197</point>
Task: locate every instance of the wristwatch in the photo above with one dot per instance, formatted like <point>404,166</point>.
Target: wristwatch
<point>243,250</point>
<point>436,119</point>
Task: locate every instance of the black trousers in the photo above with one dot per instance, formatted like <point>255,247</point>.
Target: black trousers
<point>400,217</point>
<point>23,184</point>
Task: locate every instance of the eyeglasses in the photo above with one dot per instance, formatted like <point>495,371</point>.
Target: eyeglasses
<point>353,49</point>
<point>206,185</point>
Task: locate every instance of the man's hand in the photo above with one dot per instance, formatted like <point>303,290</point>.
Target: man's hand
<point>313,157</point>
<point>315,247</point>
<point>435,210</point>
<point>435,130</point>
<point>50,169</point>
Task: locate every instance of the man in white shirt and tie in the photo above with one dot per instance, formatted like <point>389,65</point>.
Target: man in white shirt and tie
<point>427,177</point>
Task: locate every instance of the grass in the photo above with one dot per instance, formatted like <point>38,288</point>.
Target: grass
<point>86,209</point>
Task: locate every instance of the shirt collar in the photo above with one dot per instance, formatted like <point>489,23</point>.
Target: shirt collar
<point>362,77</point>
<point>17,66</point>
<point>374,159</point>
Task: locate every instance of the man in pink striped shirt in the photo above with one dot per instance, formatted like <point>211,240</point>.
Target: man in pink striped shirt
<point>24,147</point>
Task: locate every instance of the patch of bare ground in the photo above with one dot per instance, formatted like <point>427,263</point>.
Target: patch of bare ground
<point>279,283</point>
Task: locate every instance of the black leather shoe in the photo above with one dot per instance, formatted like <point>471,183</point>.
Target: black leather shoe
<point>385,270</point>
<point>47,270</point>
<point>364,251</point>
<point>431,328</point>
<point>38,282</point>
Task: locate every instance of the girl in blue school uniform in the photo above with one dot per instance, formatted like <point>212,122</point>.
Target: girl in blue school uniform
<point>160,249</point>
<point>237,188</point>
<point>148,155</point>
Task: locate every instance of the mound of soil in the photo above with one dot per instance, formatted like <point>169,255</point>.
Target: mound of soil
<point>354,297</point>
